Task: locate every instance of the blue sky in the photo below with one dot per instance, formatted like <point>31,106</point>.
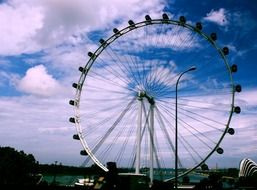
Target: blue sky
<point>44,42</point>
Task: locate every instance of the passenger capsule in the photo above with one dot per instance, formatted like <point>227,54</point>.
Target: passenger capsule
<point>76,137</point>
<point>225,50</point>
<point>182,19</point>
<point>102,41</point>
<point>238,88</point>
<point>233,68</point>
<point>90,54</point>
<point>220,150</point>
<point>116,31</point>
<point>75,85</point>
<point>72,102</point>
<point>147,18</point>
<point>72,120</point>
<point>237,109</point>
<point>231,131</point>
<point>214,36</point>
<point>131,23</point>
<point>165,16</point>
<point>199,26</point>
<point>83,153</point>
<point>81,69</point>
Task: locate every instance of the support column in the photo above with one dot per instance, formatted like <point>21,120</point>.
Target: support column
<point>151,133</point>
<point>139,131</point>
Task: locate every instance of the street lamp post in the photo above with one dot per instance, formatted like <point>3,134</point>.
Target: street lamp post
<point>176,126</point>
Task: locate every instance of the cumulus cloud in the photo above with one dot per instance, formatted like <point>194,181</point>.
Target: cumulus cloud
<point>30,26</point>
<point>38,82</point>
<point>18,24</point>
<point>219,17</point>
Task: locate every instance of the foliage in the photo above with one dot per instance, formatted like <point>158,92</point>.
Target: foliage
<point>59,169</point>
<point>16,167</point>
<point>212,182</point>
<point>250,181</point>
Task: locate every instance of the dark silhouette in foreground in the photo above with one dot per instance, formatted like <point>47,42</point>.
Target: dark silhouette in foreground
<point>20,170</point>
<point>16,167</point>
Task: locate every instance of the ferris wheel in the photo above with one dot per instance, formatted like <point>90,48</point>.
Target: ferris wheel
<point>155,94</point>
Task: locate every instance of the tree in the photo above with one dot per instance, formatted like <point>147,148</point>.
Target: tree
<point>16,167</point>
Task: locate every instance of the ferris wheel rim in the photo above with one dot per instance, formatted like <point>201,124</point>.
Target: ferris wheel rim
<point>117,35</point>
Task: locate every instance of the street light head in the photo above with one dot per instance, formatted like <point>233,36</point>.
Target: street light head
<point>192,68</point>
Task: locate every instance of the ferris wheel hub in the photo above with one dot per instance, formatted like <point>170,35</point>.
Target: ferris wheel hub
<point>143,94</point>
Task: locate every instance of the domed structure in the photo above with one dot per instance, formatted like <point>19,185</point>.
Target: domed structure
<point>247,168</point>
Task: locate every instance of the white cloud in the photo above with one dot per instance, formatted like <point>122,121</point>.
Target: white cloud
<point>29,26</point>
<point>66,59</point>
<point>18,25</point>
<point>248,97</point>
<point>39,126</point>
<point>38,82</point>
<point>158,36</point>
<point>219,17</point>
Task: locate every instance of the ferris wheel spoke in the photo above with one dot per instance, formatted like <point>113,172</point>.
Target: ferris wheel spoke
<point>183,141</point>
<point>127,133</point>
<point>191,92</point>
<point>180,41</point>
<point>126,64</point>
<point>109,99</point>
<point>118,61</point>
<point>116,122</point>
<point>132,65</point>
<point>95,126</point>
<point>103,109</point>
<point>160,117</point>
<point>204,108</point>
<point>109,71</point>
<point>98,89</point>
<point>122,83</point>
<point>154,75</point>
<point>124,145</point>
<point>108,148</point>
<point>92,127</point>
<point>161,81</point>
<point>196,133</point>
<point>190,149</point>
<point>119,83</point>
<point>163,127</point>
<point>146,114</point>
<point>200,105</point>
<point>188,126</point>
<point>206,123</point>
<point>201,101</point>
<point>147,65</point>
<point>152,137</point>
<point>174,37</point>
<point>150,64</point>
<point>206,118</point>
